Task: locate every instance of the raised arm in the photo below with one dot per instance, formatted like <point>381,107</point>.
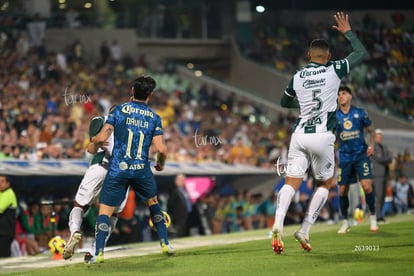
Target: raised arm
<point>358,50</point>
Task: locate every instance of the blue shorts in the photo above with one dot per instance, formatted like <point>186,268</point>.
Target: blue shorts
<point>351,172</point>
<point>114,189</point>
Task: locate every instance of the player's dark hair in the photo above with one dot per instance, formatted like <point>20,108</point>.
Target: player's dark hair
<point>319,44</point>
<point>143,86</point>
<point>345,88</point>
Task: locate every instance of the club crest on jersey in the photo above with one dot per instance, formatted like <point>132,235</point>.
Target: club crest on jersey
<point>123,166</point>
<point>347,124</point>
<point>356,115</point>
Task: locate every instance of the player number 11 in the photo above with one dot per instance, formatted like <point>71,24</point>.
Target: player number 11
<point>140,144</point>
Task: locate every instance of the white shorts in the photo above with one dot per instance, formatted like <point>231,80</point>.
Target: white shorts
<point>314,149</point>
<point>91,186</point>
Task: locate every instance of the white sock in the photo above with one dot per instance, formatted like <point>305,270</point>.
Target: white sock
<point>373,220</point>
<point>75,219</point>
<point>319,199</point>
<point>284,198</point>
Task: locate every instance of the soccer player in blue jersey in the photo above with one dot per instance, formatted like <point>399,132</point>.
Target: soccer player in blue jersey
<point>354,155</point>
<point>314,89</point>
<point>135,126</point>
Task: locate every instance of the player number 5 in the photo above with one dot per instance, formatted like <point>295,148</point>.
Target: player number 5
<point>316,99</point>
<point>366,169</point>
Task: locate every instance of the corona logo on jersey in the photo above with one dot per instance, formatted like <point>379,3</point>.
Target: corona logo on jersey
<point>308,73</point>
<point>128,109</point>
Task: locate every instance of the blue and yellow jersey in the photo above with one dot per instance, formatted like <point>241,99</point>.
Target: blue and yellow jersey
<point>135,125</point>
<point>350,133</point>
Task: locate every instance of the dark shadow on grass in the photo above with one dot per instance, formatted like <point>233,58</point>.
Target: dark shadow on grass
<point>209,251</point>
<point>120,266</point>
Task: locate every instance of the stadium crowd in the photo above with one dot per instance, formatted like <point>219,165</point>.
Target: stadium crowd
<point>47,100</point>
<point>385,79</point>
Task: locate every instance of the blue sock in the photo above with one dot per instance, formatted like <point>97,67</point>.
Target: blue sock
<point>101,231</point>
<point>344,205</point>
<point>370,199</point>
<point>158,219</point>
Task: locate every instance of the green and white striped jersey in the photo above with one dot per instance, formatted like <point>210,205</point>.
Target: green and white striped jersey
<point>95,127</point>
<point>316,88</point>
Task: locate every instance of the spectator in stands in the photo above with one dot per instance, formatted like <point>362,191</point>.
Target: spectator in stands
<point>24,232</point>
<point>6,152</point>
<point>403,194</point>
<point>240,152</point>
<point>22,45</point>
<point>267,209</point>
<point>43,226</point>
<point>105,52</point>
<point>36,29</point>
<point>166,111</point>
<point>27,218</point>
<point>8,208</point>
<point>61,211</point>
<point>227,214</point>
<point>116,52</point>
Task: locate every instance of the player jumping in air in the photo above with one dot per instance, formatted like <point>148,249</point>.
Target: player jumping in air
<point>314,90</point>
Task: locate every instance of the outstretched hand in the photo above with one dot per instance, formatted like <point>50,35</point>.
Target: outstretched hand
<point>342,22</point>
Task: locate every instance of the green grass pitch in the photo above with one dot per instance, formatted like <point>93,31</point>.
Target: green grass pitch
<point>360,252</point>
